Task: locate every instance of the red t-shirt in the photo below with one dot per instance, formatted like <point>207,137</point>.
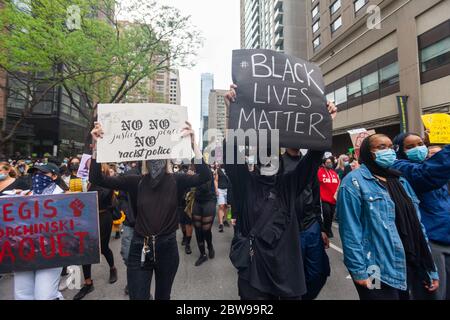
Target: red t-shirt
<point>329,183</point>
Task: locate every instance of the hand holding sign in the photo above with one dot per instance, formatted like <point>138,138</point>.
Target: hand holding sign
<point>97,132</point>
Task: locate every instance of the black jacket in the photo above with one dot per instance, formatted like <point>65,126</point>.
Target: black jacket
<point>307,206</point>
<point>277,266</point>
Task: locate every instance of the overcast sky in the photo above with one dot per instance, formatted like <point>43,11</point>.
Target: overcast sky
<point>219,22</point>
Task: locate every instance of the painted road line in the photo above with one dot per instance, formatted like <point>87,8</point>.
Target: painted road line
<point>332,246</point>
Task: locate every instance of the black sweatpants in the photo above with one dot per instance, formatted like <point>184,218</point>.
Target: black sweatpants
<point>106,222</point>
<point>328,211</point>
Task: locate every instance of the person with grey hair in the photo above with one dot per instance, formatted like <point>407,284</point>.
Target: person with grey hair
<point>154,197</point>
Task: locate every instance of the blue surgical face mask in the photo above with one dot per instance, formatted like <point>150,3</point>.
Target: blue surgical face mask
<point>3,176</point>
<point>346,163</point>
<point>385,158</point>
<point>417,154</point>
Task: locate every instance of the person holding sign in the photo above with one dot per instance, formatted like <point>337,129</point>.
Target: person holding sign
<point>429,179</point>
<point>40,284</point>
<point>154,197</point>
<point>266,248</point>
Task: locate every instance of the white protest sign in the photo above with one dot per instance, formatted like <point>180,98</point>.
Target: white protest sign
<point>144,131</point>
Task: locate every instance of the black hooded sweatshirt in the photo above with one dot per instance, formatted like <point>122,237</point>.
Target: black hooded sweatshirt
<point>277,266</point>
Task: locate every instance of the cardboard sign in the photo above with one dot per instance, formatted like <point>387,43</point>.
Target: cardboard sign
<point>279,92</point>
<point>439,126</point>
<point>40,232</point>
<point>85,163</point>
<point>357,136</point>
<point>137,132</point>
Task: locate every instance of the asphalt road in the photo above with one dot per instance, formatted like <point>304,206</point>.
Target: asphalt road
<point>215,279</point>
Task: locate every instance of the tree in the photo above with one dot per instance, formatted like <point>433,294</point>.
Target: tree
<point>83,46</point>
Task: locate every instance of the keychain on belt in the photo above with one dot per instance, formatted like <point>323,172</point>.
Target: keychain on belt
<point>145,250</point>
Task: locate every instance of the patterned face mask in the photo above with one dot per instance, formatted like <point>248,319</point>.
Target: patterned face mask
<point>156,167</point>
<point>40,182</point>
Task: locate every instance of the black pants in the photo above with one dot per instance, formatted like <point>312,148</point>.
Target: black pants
<point>328,210</point>
<point>165,268</point>
<point>315,261</point>
<point>106,222</point>
<point>415,291</point>
<point>247,292</point>
<point>203,215</point>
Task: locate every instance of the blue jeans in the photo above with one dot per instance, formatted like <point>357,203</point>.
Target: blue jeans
<point>127,235</point>
<point>139,277</point>
<point>315,261</point>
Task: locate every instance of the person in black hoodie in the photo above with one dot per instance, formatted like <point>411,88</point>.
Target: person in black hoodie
<point>266,249</point>
<point>154,200</point>
<point>105,206</point>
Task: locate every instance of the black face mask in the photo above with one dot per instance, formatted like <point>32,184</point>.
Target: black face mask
<point>74,167</point>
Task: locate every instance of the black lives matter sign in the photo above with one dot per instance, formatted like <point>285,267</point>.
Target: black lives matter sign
<point>279,92</point>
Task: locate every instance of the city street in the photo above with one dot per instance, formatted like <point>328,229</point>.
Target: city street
<point>214,280</point>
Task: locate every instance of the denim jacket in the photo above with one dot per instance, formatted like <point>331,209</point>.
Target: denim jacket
<point>367,227</point>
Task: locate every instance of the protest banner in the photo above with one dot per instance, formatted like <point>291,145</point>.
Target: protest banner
<point>136,132</point>
<point>357,136</point>
<point>438,125</point>
<point>85,163</point>
<point>280,92</point>
<point>47,231</point>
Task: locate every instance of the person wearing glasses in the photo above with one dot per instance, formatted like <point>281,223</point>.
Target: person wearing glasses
<point>382,236</point>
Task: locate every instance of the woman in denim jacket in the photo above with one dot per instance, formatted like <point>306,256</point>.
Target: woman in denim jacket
<point>382,236</point>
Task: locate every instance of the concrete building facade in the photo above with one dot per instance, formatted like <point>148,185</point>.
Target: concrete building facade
<point>373,51</point>
<point>175,88</point>
<point>207,84</point>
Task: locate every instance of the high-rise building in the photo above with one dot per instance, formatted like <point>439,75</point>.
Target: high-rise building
<point>207,84</point>
<point>217,114</point>
<point>175,88</point>
<point>367,66</point>
<point>274,24</point>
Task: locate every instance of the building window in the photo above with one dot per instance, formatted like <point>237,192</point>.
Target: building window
<point>436,55</point>
<point>354,89</point>
<point>359,4</point>
<point>330,97</point>
<point>335,6</point>
<point>341,95</point>
<point>315,11</point>
<point>389,75</point>
<point>336,24</point>
<point>316,42</point>
<point>316,26</point>
<point>370,83</point>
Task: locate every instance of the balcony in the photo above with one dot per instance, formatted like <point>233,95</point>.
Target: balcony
<point>278,15</point>
<point>279,26</point>
<point>278,5</point>
<point>279,39</point>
